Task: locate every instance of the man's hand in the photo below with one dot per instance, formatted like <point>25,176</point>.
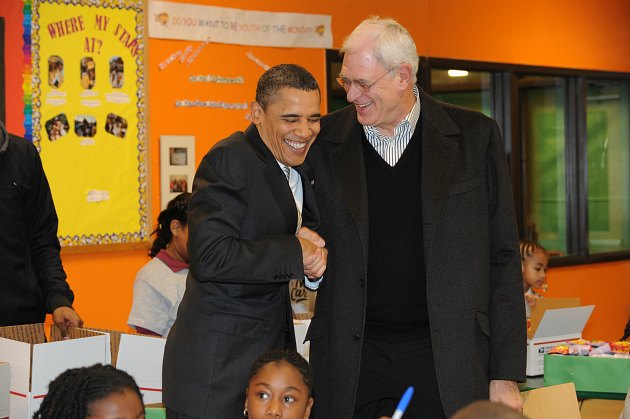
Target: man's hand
<point>308,234</point>
<point>314,254</point>
<point>506,393</point>
<point>65,317</point>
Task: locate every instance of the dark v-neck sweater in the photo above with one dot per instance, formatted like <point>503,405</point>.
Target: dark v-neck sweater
<point>396,279</point>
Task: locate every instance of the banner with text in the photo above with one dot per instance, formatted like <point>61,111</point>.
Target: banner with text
<point>224,25</point>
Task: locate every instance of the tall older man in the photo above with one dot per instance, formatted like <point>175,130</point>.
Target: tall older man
<point>423,285</point>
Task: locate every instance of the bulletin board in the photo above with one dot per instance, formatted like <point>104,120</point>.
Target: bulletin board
<point>88,117</point>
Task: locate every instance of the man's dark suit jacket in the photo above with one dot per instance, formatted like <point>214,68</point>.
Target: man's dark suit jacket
<point>243,252</point>
<point>474,285</point>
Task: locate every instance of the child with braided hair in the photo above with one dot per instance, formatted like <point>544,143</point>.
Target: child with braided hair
<point>98,392</point>
<point>534,261</point>
<point>280,385</point>
<point>160,284</point>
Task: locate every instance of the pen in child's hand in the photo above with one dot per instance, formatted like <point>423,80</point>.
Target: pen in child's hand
<point>403,403</point>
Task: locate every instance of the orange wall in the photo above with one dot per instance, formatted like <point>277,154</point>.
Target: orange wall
<point>562,33</point>
<point>606,285</point>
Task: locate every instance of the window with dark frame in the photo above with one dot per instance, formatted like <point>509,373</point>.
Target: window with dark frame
<point>567,141</point>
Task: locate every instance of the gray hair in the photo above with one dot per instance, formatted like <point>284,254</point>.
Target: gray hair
<point>393,45</point>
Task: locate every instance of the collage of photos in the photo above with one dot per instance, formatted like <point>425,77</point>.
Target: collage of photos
<point>86,126</point>
<point>87,73</point>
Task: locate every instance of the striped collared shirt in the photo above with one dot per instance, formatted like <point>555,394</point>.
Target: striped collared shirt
<point>391,148</point>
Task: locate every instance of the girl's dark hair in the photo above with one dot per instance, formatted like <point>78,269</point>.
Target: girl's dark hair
<point>289,356</point>
<point>177,209</point>
<point>72,393</point>
<point>529,247</point>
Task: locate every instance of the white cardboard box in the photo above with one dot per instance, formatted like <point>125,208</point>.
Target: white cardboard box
<point>5,385</point>
<point>141,357</point>
<point>555,326</point>
<point>36,362</point>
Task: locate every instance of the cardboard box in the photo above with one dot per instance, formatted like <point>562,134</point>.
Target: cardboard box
<point>36,362</point>
<point>551,402</point>
<point>601,409</point>
<point>5,385</point>
<point>141,357</point>
<point>550,326</point>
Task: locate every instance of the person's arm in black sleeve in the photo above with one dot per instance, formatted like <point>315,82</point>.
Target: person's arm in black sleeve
<point>42,222</point>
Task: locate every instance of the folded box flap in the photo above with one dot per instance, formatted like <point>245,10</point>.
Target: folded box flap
<point>563,322</point>
<point>559,401</point>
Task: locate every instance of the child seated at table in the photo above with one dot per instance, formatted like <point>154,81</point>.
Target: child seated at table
<point>96,392</point>
<point>534,261</point>
<point>280,385</point>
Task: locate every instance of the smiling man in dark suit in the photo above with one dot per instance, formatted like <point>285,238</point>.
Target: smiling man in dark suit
<point>423,285</point>
<point>251,226</point>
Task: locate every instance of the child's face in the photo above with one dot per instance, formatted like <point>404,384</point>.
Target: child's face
<point>118,405</point>
<point>278,391</point>
<point>535,269</point>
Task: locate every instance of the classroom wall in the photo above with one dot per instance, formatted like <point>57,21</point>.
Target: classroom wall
<point>562,33</point>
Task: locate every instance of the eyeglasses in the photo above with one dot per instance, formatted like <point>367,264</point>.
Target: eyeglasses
<point>362,85</point>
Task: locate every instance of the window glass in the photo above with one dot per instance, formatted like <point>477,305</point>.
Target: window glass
<point>607,120</point>
<point>542,117</point>
<point>470,89</point>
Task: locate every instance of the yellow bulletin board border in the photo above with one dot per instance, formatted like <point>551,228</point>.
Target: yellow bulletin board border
<point>139,234</point>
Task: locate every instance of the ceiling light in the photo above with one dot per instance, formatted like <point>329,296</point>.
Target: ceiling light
<point>457,73</point>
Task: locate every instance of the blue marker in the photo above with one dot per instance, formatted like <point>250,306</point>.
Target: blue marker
<point>403,403</point>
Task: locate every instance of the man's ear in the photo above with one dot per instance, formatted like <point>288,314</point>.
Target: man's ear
<point>404,72</point>
<point>255,112</point>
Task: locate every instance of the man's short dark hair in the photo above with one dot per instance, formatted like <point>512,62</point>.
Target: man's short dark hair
<point>280,76</point>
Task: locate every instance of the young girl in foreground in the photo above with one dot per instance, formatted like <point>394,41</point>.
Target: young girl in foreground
<point>534,261</point>
<point>96,392</point>
<point>280,385</point>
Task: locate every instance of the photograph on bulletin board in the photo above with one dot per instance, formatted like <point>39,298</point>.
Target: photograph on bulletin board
<point>88,117</point>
